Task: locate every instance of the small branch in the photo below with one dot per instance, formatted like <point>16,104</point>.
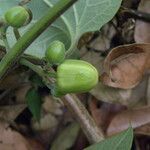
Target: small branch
<point>88,125</point>
<point>34,60</point>
<point>33,67</point>
<point>47,77</point>
<point>17,50</point>
<point>17,34</point>
<point>30,58</point>
<point>136,14</point>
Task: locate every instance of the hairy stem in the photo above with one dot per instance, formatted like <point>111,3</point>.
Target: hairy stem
<point>30,58</point>
<point>17,34</point>
<point>16,51</point>
<point>33,67</point>
<point>88,125</point>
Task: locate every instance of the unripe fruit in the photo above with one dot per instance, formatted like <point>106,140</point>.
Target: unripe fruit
<point>75,76</point>
<point>17,16</point>
<point>55,53</point>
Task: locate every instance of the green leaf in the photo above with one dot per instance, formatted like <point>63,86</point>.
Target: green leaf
<point>122,141</point>
<point>84,16</point>
<point>34,103</point>
<point>66,138</point>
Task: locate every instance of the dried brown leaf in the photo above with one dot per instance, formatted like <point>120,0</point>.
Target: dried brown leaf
<point>9,113</point>
<point>128,97</point>
<point>13,140</point>
<point>125,65</point>
<point>7,147</point>
<point>21,92</point>
<point>103,112</point>
<point>134,117</point>
<point>13,79</point>
<point>143,130</point>
<point>47,123</point>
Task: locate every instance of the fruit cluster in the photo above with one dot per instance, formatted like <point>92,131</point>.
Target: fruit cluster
<point>72,76</point>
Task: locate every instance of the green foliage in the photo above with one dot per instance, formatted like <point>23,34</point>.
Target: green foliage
<point>7,4</point>
<point>84,16</point>
<point>72,75</point>
<point>34,103</point>
<point>122,141</point>
<point>55,52</point>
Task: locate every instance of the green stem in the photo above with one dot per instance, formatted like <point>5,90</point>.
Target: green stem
<point>13,55</point>
<point>34,60</point>
<point>30,58</point>
<point>30,65</point>
<point>37,69</point>
<point>17,34</point>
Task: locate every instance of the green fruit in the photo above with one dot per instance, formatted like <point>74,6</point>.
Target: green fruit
<point>17,16</point>
<point>55,53</point>
<point>75,76</point>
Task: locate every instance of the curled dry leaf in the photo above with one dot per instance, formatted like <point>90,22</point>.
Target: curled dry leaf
<point>125,65</point>
<point>135,118</point>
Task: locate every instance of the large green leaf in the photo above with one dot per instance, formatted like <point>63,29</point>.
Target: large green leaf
<point>6,4</point>
<point>84,16</point>
<point>122,141</point>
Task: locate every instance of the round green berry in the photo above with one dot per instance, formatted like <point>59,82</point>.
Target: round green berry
<point>55,52</point>
<point>17,16</point>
